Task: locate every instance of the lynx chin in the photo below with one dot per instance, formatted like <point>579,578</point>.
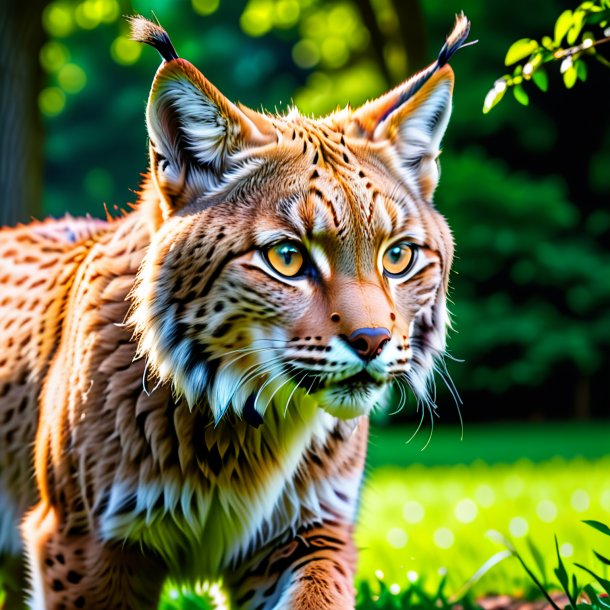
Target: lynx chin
<point>185,390</point>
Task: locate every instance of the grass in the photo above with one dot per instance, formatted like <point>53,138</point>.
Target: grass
<point>426,523</point>
<point>431,515</point>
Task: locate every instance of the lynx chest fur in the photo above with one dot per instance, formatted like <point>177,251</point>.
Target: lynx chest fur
<point>195,377</point>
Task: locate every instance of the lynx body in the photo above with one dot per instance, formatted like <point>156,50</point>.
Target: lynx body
<point>184,390</point>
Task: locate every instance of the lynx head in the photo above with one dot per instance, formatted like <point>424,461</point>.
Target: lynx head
<point>294,259</point>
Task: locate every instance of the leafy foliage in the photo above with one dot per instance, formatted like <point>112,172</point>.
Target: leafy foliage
<point>577,34</point>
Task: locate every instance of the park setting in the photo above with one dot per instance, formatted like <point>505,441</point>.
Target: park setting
<point>495,487</point>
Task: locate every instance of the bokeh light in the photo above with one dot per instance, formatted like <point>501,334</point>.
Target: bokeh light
<point>257,19</point>
<point>413,512</point>
<point>58,19</point>
<point>466,511</point>
<point>305,54</point>
<point>205,7</point>
<point>51,101</point>
<point>443,538</point>
<point>54,55</point>
<point>72,78</point>
<point>125,51</point>
<point>397,538</point>
<point>580,500</point>
<point>546,511</point>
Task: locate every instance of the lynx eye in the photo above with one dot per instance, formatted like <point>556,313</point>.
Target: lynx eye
<point>398,258</point>
<point>286,258</point>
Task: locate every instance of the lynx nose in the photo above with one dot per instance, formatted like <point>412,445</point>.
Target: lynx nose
<point>368,342</point>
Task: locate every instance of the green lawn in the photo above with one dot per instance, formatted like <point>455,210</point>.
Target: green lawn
<point>418,521</point>
<point>427,513</point>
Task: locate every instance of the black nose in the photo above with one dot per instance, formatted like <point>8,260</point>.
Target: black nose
<point>368,342</point>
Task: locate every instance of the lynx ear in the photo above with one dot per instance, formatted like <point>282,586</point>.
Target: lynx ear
<point>413,117</point>
<point>194,131</point>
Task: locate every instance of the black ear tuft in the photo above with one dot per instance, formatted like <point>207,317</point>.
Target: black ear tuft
<point>143,30</point>
<point>455,40</point>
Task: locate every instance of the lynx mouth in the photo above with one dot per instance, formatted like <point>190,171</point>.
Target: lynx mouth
<point>359,381</point>
<point>356,383</point>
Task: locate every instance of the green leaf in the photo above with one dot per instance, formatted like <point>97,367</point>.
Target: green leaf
<point>536,581</point>
<point>492,98</point>
<point>486,567</point>
<point>581,69</point>
<point>541,79</point>
<point>577,23</point>
<point>547,43</point>
<point>520,95</point>
<point>569,77</point>
<point>598,525</point>
<point>562,25</point>
<point>575,587</point>
<point>519,50</point>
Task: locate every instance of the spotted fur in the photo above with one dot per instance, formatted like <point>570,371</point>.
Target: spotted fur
<point>195,414</point>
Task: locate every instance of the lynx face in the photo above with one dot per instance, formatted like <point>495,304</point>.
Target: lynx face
<point>294,259</point>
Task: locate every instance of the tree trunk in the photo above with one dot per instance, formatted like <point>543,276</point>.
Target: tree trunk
<point>21,166</point>
<point>413,34</point>
<point>409,33</point>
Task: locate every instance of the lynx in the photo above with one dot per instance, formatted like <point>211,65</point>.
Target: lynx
<point>185,390</point>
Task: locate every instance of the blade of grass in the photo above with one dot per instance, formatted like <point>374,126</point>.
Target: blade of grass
<point>605,584</point>
<point>494,560</point>
<point>598,525</point>
<point>538,559</point>
<point>562,576</point>
<point>537,582</point>
<point>603,559</point>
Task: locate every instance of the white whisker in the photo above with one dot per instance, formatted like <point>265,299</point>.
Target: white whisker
<point>293,391</point>
<point>288,379</point>
<point>270,380</point>
<point>258,369</point>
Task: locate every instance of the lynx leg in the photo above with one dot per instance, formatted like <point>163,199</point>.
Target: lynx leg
<point>314,571</point>
<point>71,571</point>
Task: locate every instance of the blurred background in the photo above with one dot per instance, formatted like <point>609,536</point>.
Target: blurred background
<point>525,189</point>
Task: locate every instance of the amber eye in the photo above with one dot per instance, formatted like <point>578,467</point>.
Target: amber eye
<point>286,258</point>
<point>397,259</point>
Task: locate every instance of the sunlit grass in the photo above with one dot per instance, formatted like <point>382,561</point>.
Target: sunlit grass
<point>422,522</point>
